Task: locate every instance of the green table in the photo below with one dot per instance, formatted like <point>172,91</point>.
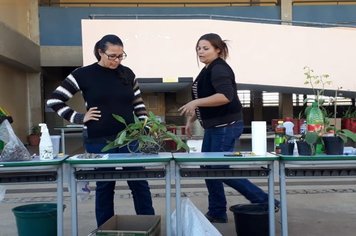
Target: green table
<point>187,166</point>
<point>157,167</point>
<point>39,172</point>
<point>318,166</point>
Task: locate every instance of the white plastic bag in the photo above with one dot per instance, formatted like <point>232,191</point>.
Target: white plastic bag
<point>193,222</point>
<point>14,150</point>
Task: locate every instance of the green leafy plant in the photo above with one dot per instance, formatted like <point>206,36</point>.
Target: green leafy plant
<point>36,130</point>
<point>321,81</point>
<point>318,84</point>
<point>316,81</point>
<point>148,134</point>
<point>344,134</point>
<point>350,113</point>
<point>34,137</point>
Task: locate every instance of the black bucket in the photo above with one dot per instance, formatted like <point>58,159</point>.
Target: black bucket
<point>251,219</point>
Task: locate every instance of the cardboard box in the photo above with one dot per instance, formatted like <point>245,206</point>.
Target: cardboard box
<point>130,225</point>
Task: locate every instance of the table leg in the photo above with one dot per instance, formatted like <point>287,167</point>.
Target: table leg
<point>271,212</point>
<point>168,198</point>
<point>60,201</point>
<point>178,201</point>
<point>73,197</point>
<point>63,142</point>
<point>283,196</point>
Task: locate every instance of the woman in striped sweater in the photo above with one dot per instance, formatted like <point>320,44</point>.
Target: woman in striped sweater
<point>108,88</point>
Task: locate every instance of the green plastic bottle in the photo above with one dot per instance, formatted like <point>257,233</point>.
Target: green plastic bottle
<point>315,119</point>
<point>279,136</point>
<point>315,123</point>
<point>1,146</point>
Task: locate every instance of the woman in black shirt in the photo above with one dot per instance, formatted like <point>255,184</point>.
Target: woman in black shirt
<point>217,107</point>
<point>108,88</point>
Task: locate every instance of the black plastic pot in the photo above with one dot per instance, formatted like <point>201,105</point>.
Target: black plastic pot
<point>334,145</point>
<point>251,219</point>
<point>287,148</point>
<point>304,148</point>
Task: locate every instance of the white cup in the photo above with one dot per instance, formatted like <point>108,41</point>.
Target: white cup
<point>55,142</point>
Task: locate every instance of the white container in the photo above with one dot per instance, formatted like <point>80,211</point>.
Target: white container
<point>259,137</point>
<point>56,140</point>
<point>303,127</point>
<point>289,127</point>
<point>46,147</point>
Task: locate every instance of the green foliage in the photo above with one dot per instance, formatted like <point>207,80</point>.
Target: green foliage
<point>149,134</point>
<point>344,134</point>
<point>312,138</point>
<point>36,130</point>
<point>316,81</point>
<point>350,113</point>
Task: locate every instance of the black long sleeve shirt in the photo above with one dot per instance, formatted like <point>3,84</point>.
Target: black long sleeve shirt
<point>113,91</point>
<point>218,77</point>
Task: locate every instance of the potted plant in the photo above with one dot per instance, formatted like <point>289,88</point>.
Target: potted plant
<point>145,136</point>
<point>315,81</point>
<point>310,144</point>
<point>312,137</point>
<point>34,137</point>
<point>349,119</point>
<point>287,147</point>
<point>334,139</point>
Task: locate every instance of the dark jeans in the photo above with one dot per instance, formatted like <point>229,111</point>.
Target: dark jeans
<point>104,194</point>
<point>223,140</point>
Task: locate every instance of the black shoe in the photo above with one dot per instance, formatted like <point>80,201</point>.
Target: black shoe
<point>277,205</point>
<point>215,220</point>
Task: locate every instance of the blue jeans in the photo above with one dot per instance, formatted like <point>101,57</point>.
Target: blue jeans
<point>223,140</point>
<point>104,194</point>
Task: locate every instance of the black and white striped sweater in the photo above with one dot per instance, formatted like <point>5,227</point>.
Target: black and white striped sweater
<point>113,91</point>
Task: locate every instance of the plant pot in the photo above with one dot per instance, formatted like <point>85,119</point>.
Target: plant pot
<point>287,148</point>
<point>349,123</point>
<point>33,139</point>
<point>251,219</point>
<point>333,145</point>
<point>304,148</point>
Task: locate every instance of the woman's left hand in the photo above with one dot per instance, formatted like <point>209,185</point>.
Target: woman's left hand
<point>188,109</point>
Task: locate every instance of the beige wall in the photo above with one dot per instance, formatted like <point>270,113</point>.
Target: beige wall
<point>13,97</point>
<point>20,86</point>
<point>260,54</point>
<point>21,16</point>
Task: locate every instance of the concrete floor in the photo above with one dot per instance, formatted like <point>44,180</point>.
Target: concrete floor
<point>312,210</point>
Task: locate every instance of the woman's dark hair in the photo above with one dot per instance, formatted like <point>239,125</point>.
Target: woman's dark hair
<point>102,44</point>
<point>216,41</point>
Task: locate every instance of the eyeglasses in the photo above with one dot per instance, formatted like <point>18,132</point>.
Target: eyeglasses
<point>113,57</point>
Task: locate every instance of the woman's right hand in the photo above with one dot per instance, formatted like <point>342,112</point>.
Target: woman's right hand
<point>92,114</point>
